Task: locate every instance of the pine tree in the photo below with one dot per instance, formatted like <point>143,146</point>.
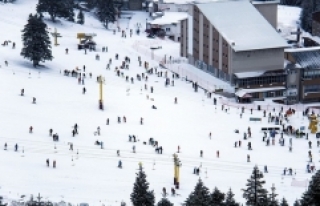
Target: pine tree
<point>36,41</point>
<point>308,7</point>
<point>106,12</point>
<point>56,8</point>
<point>230,199</point>
<point>80,17</point>
<point>272,201</point>
<point>164,202</point>
<point>297,203</point>
<point>217,197</point>
<point>284,202</point>
<point>312,196</point>
<point>140,195</point>
<point>255,194</point>
<point>200,196</point>
<point>291,2</point>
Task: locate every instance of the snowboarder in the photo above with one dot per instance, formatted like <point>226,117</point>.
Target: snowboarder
<point>30,129</point>
<point>120,164</point>
<point>48,163</point>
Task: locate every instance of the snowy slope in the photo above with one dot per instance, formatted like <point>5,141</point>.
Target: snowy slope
<point>93,175</point>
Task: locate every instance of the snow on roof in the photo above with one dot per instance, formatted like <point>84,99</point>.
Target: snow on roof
<point>264,89</point>
<point>288,21</point>
<point>242,26</point>
<point>291,50</point>
<point>209,1</point>
<point>169,18</point>
<point>249,74</point>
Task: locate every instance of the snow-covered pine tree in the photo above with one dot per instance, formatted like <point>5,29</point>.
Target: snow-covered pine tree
<point>297,203</point>
<point>80,17</point>
<point>272,201</point>
<point>141,196</point>
<point>217,197</point>
<point>36,41</point>
<point>200,196</point>
<point>106,12</point>
<point>308,7</point>
<point>56,8</point>
<point>284,202</point>
<point>229,200</point>
<point>312,196</point>
<point>255,194</point>
<point>164,202</point>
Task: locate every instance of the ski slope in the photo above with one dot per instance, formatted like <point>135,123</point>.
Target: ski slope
<point>89,173</point>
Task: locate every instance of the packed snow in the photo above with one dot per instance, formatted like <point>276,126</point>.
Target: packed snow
<point>90,174</point>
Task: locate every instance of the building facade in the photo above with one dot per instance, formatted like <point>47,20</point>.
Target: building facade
<point>303,79</point>
<point>222,41</point>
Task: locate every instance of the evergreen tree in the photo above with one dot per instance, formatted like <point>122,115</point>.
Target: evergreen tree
<point>297,203</point>
<point>91,3</point>
<point>164,202</point>
<point>272,201</point>
<point>230,199</point>
<point>140,195</point>
<point>200,196</point>
<point>308,7</point>
<point>106,12</point>
<point>36,41</point>
<point>284,202</point>
<point>255,194</point>
<point>291,2</point>
<point>217,197</point>
<point>56,8</point>
<point>312,196</point>
<point>80,17</point>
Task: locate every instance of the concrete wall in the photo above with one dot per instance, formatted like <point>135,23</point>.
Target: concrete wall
<point>269,11</point>
<point>175,30</point>
<point>258,60</point>
<point>183,40</point>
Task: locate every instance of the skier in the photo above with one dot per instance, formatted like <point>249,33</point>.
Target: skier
<point>151,89</point>
<point>248,158</point>
<point>50,132</point>
<point>22,92</point>
<point>124,119</point>
<point>48,163</point>
<point>210,135</point>
<point>73,132</point>
<point>16,147</point>
<point>235,144</point>
<point>173,191</point>
<point>141,121</point>
<point>120,164</point>
<point>284,171</point>
<point>84,90</point>
<point>119,119</point>
<point>249,146</point>
<point>107,121</point>
<point>33,100</point>
<point>164,192</point>
<point>218,153</point>
<point>5,146</point>
<point>175,100</point>
<point>201,153</point>
<point>30,129</point>
<point>118,153</point>
<point>71,147</point>
<point>134,149</point>
<point>265,169</point>
<point>310,144</point>
<point>178,149</point>
<point>54,164</point>
<point>239,143</point>
<point>98,131</point>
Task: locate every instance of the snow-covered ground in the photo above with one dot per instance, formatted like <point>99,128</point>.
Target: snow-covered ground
<point>92,175</point>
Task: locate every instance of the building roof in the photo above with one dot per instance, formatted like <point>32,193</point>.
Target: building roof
<point>169,18</point>
<point>242,26</point>
<point>263,89</point>
<point>249,74</point>
<point>208,1</point>
<point>307,58</point>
